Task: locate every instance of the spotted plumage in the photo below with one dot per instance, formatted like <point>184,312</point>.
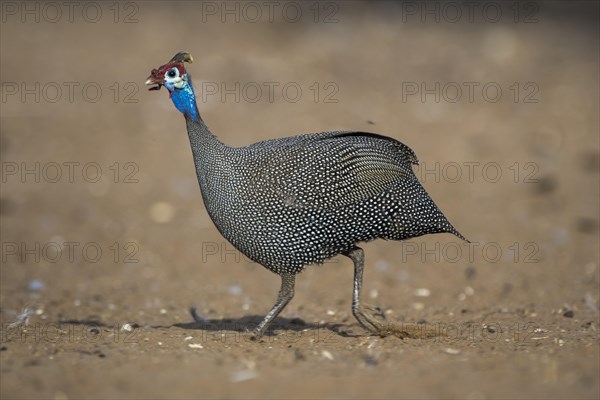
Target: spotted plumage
<point>291,202</point>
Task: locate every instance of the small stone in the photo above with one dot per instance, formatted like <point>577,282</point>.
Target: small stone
<point>35,285</point>
<point>450,350</point>
<point>588,325</point>
<point>298,355</point>
<point>195,346</point>
<point>569,314</point>
<point>381,265</point>
<point>234,290</point>
<point>326,354</point>
<point>422,292</point>
<point>243,375</point>
<point>470,272</point>
<point>370,360</point>
<point>127,327</point>
<point>374,293</point>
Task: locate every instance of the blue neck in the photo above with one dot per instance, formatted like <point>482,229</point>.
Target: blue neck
<point>185,101</point>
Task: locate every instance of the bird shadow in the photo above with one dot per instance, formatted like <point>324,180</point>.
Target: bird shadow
<point>243,326</point>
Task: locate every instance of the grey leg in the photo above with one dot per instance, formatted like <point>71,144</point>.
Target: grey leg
<point>286,293</point>
<point>366,319</point>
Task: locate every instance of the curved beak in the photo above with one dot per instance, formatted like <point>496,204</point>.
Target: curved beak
<point>154,80</point>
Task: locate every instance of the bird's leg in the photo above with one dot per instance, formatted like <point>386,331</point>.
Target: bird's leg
<point>365,318</point>
<point>368,321</point>
<point>286,293</point>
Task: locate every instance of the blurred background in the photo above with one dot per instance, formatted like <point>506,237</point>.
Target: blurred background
<point>106,243</point>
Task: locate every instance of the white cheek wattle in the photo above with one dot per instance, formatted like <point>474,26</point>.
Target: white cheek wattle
<point>178,83</point>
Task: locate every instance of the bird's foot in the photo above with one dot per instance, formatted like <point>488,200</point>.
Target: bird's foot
<point>197,317</point>
<point>373,310</point>
<point>366,316</point>
<point>411,330</point>
<point>256,334</point>
<point>371,318</point>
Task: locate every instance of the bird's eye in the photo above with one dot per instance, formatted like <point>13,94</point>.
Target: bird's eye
<point>173,73</point>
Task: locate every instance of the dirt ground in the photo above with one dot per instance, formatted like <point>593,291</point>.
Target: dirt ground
<point>106,243</point>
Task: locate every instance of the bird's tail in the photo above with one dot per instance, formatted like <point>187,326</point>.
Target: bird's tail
<point>448,228</point>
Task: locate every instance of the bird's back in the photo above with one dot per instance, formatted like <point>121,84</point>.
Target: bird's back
<point>290,202</point>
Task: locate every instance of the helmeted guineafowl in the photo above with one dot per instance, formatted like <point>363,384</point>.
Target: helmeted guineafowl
<point>287,203</point>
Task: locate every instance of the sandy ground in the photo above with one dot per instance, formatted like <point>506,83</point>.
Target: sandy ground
<point>106,244</point>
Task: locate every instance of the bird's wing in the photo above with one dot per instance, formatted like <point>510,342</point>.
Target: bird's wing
<point>334,169</point>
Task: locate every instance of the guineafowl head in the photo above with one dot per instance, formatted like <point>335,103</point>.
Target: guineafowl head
<point>178,82</point>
